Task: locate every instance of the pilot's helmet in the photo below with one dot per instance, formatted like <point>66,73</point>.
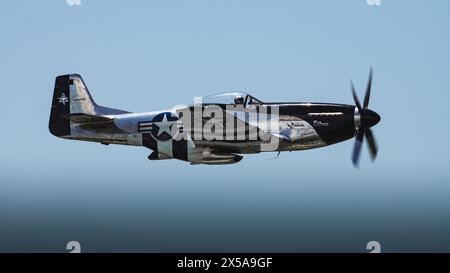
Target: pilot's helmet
<point>239,100</point>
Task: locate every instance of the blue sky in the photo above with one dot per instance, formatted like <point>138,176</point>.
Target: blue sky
<point>150,55</point>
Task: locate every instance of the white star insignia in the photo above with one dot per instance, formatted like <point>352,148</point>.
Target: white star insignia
<point>164,126</point>
<point>63,99</point>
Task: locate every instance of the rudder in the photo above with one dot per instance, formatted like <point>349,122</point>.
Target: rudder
<point>59,124</point>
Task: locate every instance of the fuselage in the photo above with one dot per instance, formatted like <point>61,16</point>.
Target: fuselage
<point>302,125</point>
<point>216,130</point>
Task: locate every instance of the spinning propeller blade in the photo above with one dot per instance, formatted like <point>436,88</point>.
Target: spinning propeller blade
<point>368,119</point>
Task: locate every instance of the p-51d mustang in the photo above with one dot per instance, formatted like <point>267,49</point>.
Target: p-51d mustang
<point>217,129</point>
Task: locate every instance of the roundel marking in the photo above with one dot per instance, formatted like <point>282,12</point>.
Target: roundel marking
<point>162,126</point>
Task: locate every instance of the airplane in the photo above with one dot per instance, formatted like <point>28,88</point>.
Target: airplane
<point>226,126</point>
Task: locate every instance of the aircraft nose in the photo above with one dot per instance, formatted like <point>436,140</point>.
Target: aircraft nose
<point>370,118</point>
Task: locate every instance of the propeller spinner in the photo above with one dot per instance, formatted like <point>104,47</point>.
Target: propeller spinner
<point>366,119</point>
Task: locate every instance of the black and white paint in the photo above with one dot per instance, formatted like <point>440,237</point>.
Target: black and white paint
<point>239,125</point>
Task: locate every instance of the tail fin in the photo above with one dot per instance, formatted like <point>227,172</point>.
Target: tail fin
<point>59,124</point>
<point>73,102</point>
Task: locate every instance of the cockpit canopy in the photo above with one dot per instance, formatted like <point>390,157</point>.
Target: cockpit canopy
<point>233,98</point>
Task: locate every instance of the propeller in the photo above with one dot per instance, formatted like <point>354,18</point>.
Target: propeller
<point>364,120</point>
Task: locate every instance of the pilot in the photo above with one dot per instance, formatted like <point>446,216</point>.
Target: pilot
<point>239,100</point>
